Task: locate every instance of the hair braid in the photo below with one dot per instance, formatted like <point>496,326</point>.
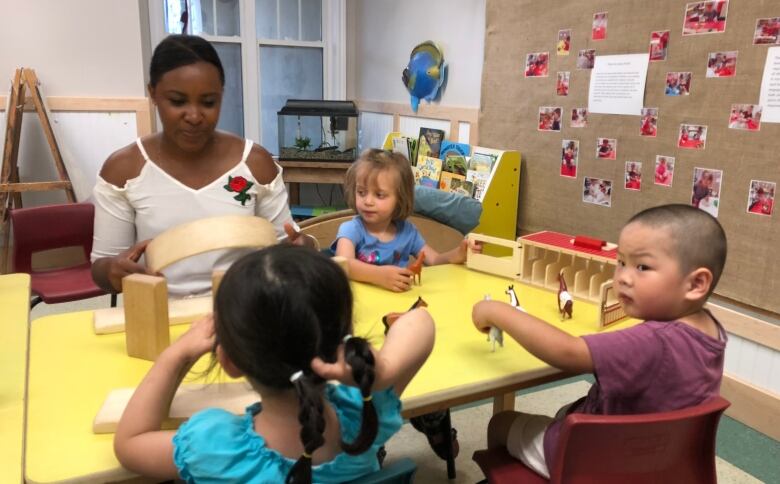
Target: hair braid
<point>357,353</point>
<point>312,419</point>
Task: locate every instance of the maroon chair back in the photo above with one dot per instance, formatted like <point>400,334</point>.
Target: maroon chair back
<point>675,446</point>
<point>50,227</point>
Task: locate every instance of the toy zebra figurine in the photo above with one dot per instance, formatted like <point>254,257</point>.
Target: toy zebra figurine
<point>416,268</point>
<point>495,335</point>
<point>565,301</point>
<point>510,291</point>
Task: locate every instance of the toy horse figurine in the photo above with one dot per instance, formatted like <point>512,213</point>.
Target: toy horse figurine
<point>416,268</point>
<point>495,335</point>
<point>565,301</point>
<point>390,318</point>
<point>510,291</point>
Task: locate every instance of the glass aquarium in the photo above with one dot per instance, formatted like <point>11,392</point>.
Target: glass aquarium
<point>318,130</point>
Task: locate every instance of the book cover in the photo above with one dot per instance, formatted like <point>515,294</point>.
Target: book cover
<point>452,148</point>
<point>430,171</point>
<point>455,164</point>
<point>479,179</point>
<point>462,187</point>
<point>401,146</point>
<point>481,162</point>
<point>429,143</point>
<point>447,178</point>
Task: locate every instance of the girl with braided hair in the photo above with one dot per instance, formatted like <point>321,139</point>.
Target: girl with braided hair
<point>282,319</point>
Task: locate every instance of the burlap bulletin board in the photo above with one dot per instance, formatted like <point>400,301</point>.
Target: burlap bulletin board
<point>509,120</point>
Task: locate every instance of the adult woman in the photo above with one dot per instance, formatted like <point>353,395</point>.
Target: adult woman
<point>186,172</point>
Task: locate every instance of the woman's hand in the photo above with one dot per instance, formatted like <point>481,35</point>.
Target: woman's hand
<point>296,237</point>
<point>126,263</point>
<point>394,278</point>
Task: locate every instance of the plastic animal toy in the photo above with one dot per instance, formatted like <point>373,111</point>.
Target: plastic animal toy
<point>495,335</point>
<point>390,318</point>
<point>416,268</point>
<point>565,301</point>
<point>510,291</point>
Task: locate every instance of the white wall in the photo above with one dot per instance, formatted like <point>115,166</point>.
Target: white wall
<point>77,47</point>
<point>381,35</point>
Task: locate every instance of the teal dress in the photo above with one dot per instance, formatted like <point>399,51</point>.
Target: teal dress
<point>217,446</point>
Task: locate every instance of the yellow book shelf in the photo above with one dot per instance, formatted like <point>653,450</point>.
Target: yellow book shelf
<point>499,201</point>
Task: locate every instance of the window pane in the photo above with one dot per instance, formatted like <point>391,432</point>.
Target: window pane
<point>173,10</point>
<point>202,16</point>
<point>288,20</point>
<point>265,19</point>
<point>311,19</point>
<point>287,73</point>
<point>228,23</point>
<point>231,117</point>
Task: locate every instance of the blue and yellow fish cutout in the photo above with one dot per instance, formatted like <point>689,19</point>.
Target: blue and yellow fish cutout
<point>424,75</point>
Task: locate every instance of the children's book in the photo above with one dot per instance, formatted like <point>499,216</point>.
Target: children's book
<point>480,179</point>
<point>462,187</point>
<point>455,164</point>
<point>430,171</point>
<point>429,143</point>
<point>401,146</point>
<point>447,178</point>
<point>452,148</point>
<point>481,162</point>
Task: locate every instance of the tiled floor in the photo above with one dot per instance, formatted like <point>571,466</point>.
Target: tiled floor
<point>744,455</point>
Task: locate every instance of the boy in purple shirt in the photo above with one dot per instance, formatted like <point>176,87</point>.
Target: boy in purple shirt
<point>669,261</point>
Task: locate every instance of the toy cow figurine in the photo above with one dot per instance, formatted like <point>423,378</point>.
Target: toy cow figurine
<point>565,301</point>
<point>416,268</point>
<point>390,318</point>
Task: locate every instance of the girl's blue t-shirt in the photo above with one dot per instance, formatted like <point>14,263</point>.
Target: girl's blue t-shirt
<point>217,446</point>
<point>371,250</point>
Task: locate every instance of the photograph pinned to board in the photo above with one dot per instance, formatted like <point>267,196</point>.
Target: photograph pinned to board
<point>570,151</point>
<point>550,118</point>
<point>597,191</point>
<point>649,122</point>
<point>767,31</point>
<point>722,64</point>
<point>706,189</point>
<point>599,29</point>
<point>633,176</point>
<point>692,136</point>
<point>707,17</point>
<point>536,64</point>
<point>664,170</point>
<point>606,148</point>
<point>562,85</point>
<point>586,59</point>
<point>761,197</point>
<point>564,42</point>
<point>579,118</point>
<point>745,116</point>
<point>769,97</point>
<point>659,45</point>
<point>678,83</point>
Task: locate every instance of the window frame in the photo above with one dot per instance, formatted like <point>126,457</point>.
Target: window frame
<point>333,45</point>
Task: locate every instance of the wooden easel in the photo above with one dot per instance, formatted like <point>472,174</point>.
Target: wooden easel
<point>10,186</point>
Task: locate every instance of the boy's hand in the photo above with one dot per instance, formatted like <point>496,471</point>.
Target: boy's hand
<point>479,315</point>
<point>394,278</point>
<point>198,340</point>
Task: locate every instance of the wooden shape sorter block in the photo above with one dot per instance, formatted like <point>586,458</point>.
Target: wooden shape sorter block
<point>146,315</point>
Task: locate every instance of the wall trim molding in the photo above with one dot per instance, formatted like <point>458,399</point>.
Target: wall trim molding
<point>747,327</point>
<point>755,407</point>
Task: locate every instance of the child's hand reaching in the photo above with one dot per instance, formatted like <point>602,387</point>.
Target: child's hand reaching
<point>394,278</point>
<point>198,340</point>
<point>460,253</point>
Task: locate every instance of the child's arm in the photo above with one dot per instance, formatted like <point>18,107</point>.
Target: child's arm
<point>452,256</point>
<point>407,345</point>
<point>390,277</point>
<point>546,342</point>
<point>139,444</point>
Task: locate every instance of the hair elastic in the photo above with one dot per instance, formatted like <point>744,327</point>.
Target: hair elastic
<point>368,398</point>
<point>295,376</point>
<point>347,338</point>
<point>306,456</point>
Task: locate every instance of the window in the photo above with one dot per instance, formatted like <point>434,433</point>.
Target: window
<point>272,50</point>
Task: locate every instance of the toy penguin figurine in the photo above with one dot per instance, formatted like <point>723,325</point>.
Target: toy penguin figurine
<point>416,268</point>
<point>565,301</point>
<point>390,318</point>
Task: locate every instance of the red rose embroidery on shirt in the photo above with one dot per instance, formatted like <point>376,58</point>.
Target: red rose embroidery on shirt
<point>239,185</point>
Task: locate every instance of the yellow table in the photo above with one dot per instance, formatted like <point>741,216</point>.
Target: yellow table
<point>15,318</point>
<point>72,369</point>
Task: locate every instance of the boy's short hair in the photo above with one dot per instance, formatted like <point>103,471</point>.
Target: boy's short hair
<point>372,161</point>
<point>698,238</point>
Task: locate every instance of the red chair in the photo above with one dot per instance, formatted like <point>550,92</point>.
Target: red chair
<point>676,446</point>
<point>52,227</point>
